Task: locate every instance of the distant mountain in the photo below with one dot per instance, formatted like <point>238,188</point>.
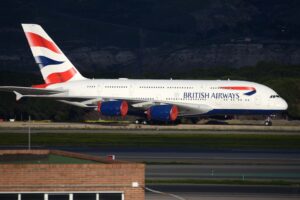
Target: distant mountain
<point>136,37</point>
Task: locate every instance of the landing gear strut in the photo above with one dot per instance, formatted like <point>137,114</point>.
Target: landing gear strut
<point>194,120</point>
<point>268,121</point>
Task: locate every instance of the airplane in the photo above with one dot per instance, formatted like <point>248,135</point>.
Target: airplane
<point>158,100</point>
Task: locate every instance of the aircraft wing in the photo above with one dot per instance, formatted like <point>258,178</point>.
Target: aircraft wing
<point>91,102</point>
<point>184,108</point>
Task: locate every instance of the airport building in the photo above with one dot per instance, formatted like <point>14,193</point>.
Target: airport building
<point>61,175</point>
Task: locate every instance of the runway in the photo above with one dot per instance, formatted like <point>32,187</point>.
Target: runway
<point>199,156</point>
<point>222,192</point>
<point>242,172</point>
<point>208,164</point>
<point>199,163</point>
<point>217,165</point>
<point>148,131</point>
<point>280,126</point>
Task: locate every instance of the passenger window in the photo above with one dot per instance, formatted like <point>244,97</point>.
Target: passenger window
<point>110,196</point>
<point>32,197</point>
<point>9,196</point>
<point>84,196</point>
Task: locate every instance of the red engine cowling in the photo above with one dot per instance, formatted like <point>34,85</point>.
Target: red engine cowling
<point>162,113</point>
<point>113,108</point>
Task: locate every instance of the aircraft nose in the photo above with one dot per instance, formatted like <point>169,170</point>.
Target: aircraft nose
<point>283,105</point>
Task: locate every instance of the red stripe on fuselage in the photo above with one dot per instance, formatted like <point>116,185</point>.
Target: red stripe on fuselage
<point>60,77</point>
<point>237,88</point>
<point>36,40</point>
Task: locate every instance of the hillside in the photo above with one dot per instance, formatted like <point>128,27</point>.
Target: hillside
<point>135,37</point>
<point>188,39</point>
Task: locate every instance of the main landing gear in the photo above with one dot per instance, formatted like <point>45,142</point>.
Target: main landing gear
<point>268,121</point>
<point>141,121</point>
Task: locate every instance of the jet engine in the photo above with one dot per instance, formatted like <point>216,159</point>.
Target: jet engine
<point>162,113</point>
<point>113,108</point>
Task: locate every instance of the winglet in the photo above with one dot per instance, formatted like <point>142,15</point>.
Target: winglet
<point>18,95</point>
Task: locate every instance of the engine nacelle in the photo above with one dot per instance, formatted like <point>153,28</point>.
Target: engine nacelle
<point>162,113</point>
<point>113,108</point>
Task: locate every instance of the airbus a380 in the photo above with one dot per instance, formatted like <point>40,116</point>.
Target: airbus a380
<point>160,100</point>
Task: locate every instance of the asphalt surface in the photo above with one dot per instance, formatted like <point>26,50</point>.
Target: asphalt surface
<point>203,164</point>
<point>204,156</point>
<point>142,131</point>
<point>242,172</point>
<point>222,192</point>
<point>212,125</point>
<point>215,164</point>
<point>209,164</point>
<point>206,164</point>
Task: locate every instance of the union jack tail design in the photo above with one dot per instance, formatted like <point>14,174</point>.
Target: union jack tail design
<point>54,65</point>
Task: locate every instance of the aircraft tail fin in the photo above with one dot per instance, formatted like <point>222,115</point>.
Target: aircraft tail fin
<point>54,65</point>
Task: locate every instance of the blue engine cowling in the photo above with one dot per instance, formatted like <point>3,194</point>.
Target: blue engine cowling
<point>113,108</point>
<point>162,113</point>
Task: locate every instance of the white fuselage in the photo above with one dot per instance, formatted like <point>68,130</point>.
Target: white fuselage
<point>161,100</point>
<point>207,95</point>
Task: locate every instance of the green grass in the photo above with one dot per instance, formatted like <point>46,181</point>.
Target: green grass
<point>224,182</point>
<point>188,141</point>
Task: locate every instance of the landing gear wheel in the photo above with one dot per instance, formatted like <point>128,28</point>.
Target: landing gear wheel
<point>268,123</point>
<point>194,120</point>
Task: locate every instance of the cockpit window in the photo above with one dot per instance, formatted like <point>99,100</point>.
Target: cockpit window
<point>274,96</point>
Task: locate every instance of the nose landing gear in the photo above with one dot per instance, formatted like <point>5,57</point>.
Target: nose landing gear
<point>268,121</point>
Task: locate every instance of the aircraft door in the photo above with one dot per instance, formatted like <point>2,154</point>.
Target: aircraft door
<point>99,90</point>
<point>158,97</point>
<point>131,90</point>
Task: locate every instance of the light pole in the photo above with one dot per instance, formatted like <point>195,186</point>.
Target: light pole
<point>29,133</point>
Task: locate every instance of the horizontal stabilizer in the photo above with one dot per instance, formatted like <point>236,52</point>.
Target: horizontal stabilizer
<point>18,95</point>
<point>29,90</point>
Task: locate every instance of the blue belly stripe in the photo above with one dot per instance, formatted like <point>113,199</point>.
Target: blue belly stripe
<point>242,112</point>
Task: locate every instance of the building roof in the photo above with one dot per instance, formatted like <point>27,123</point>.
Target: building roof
<point>49,157</point>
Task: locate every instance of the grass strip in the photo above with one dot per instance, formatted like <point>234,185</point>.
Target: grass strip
<point>192,141</point>
<point>223,182</point>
